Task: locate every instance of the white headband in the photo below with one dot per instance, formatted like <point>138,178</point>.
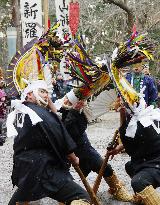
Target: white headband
<point>33,86</point>
<point>72,98</point>
<point>21,108</point>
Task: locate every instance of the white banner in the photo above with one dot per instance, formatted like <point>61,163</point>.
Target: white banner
<point>31,17</point>
<point>62,15</point>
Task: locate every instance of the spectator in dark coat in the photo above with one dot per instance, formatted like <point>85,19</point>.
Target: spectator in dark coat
<point>138,80</point>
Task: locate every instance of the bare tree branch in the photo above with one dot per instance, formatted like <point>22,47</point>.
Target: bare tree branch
<point>111,41</point>
<point>155,23</point>
<point>125,2</point>
<point>123,6</point>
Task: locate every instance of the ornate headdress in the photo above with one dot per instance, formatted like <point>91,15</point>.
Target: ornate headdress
<point>137,49</point>
<point>93,77</point>
<point>32,61</point>
<point>29,70</point>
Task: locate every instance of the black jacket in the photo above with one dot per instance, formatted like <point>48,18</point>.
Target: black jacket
<point>76,124</point>
<point>144,148</point>
<point>40,155</point>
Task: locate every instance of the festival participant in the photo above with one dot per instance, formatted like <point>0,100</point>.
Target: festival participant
<point>138,80</point>
<point>74,118</point>
<point>42,149</point>
<point>141,139</point>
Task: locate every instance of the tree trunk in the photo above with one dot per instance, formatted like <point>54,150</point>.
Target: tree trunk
<point>129,12</point>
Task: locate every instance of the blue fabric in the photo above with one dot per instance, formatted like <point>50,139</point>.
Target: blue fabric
<point>151,92</point>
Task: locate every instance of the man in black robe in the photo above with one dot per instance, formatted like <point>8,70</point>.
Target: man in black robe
<point>42,151</point>
<point>76,122</point>
<point>141,140</point>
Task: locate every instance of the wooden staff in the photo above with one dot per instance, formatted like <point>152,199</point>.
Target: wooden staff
<point>100,174</point>
<point>91,193</point>
<point>112,145</point>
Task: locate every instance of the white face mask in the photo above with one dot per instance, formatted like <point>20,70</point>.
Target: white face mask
<point>39,99</point>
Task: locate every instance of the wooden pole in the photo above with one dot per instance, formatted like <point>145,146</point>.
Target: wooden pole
<point>100,175</point>
<point>46,11</point>
<point>87,186</point>
<point>105,162</point>
<point>16,17</point>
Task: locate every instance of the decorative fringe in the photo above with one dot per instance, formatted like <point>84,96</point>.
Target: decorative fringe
<point>137,49</point>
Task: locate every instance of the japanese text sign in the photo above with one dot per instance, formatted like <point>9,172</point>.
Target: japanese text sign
<point>62,13</point>
<point>31,17</point>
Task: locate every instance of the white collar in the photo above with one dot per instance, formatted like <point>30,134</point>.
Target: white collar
<point>146,116</point>
<point>19,108</point>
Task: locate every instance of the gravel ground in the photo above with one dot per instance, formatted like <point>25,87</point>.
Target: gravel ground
<point>100,134</point>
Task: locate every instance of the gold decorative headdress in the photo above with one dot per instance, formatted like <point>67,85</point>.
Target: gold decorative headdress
<point>32,61</point>
<point>137,49</point>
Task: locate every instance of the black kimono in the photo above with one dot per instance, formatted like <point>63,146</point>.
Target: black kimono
<point>144,150</point>
<point>41,168</point>
<point>90,159</point>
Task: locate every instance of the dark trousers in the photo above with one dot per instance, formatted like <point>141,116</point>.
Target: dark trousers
<point>143,178</point>
<point>69,192</point>
<point>90,159</point>
<point>93,162</point>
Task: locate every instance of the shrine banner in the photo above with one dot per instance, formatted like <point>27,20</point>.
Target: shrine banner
<point>31,18</point>
<point>73,17</point>
<point>62,13</point>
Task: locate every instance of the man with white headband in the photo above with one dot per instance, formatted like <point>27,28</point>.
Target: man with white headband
<point>75,120</point>
<point>42,150</point>
<point>37,88</point>
<point>140,135</point>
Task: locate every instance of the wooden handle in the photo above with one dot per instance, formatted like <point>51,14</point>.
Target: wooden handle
<point>104,164</point>
<point>87,186</point>
<point>100,175</point>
